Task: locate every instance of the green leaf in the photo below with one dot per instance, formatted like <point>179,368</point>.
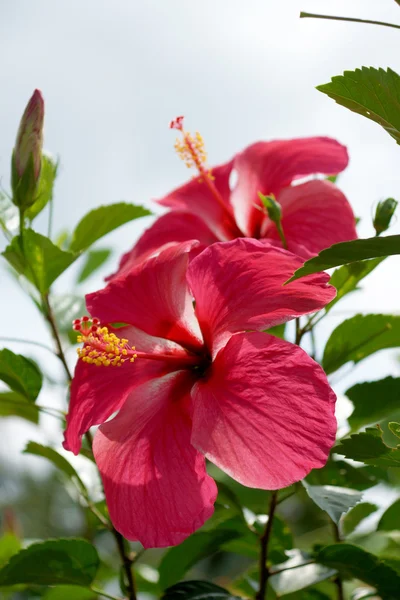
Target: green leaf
<point>373,401</point>
<point>20,374</point>
<point>15,405</point>
<point>102,220</point>
<point>358,337</point>
<point>394,428</point>
<point>373,93</point>
<point>297,577</point>
<point>58,461</point>
<point>94,260</point>
<point>9,218</point>
<point>355,563</point>
<point>356,515</point>
<point>48,175</point>
<point>349,252</point>
<point>197,590</point>
<point>368,447</point>
<point>341,473</point>
<point>277,331</point>
<point>70,561</point>
<point>9,545</point>
<point>332,499</point>
<point>346,278</point>
<point>69,592</point>
<point>391,518</point>
<point>67,308</point>
<point>42,261</point>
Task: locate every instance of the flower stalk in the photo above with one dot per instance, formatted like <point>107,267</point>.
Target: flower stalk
<point>265,573</point>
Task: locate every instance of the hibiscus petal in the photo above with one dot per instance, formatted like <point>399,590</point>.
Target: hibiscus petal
<point>176,226</point>
<point>265,412</point>
<point>268,167</point>
<point>154,297</point>
<point>238,285</point>
<point>97,391</point>
<point>156,485</point>
<point>196,197</point>
<point>315,215</point>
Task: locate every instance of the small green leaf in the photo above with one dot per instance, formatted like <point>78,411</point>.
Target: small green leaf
<point>373,93</point>
<point>52,562</point>
<point>368,447</point>
<point>58,461</point>
<point>394,428</point>
<point>42,261</point>
<point>15,405</point>
<point>355,563</point>
<point>44,194</point>
<point>349,252</point>
<point>9,545</point>
<point>197,590</point>
<point>277,331</point>
<point>346,278</point>
<point>391,518</point>
<point>20,374</point>
<point>100,221</point>
<point>93,261</point>
<point>290,581</point>
<point>356,515</point>
<point>373,401</point>
<point>358,337</point>
<point>69,592</point>
<point>332,499</point>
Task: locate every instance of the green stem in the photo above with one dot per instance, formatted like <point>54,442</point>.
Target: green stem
<point>281,235</point>
<point>304,15</point>
<point>337,581</point>
<point>264,541</point>
<point>48,312</point>
<point>309,562</point>
<point>50,223</point>
<point>105,594</point>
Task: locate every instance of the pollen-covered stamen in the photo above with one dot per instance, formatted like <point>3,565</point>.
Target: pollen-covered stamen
<point>100,347</point>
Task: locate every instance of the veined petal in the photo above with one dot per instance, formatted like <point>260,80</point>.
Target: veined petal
<point>265,412</point>
<point>268,167</point>
<point>238,286</point>
<point>156,485</point>
<point>315,215</point>
<point>154,297</point>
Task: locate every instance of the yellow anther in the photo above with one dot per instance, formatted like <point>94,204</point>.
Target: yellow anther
<point>102,348</point>
<point>191,149</point>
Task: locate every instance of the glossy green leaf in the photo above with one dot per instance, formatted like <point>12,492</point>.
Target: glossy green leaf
<point>93,261</point>
<point>349,252</point>
<point>58,461</point>
<point>368,447</point>
<point>52,562</point>
<point>9,545</point>
<point>298,575</point>
<point>197,590</point>
<point>20,374</point>
<point>390,518</point>
<point>373,93</point>
<point>48,175</point>
<point>374,401</point>
<point>341,473</point>
<point>355,563</point>
<point>357,514</point>
<point>15,405</point>
<point>332,499</point>
<point>100,221</point>
<point>359,337</point>
<point>42,261</point>
<point>346,278</point>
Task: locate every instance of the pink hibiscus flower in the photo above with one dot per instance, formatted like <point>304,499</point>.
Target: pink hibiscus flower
<point>194,382</point>
<point>212,208</point>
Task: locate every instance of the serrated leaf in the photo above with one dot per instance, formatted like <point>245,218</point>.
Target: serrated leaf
<point>20,374</point>
<point>303,575</point>
<point>346,278</point>
<point>93,261</point>
<point>359,337</point>
<point>373,401</point>
<point>373,93</point>
<point>356,515</point>
<point>332,499</point>
<point>197,590</point>
<point>48,175</point>
<point>15,405</point>
<point>355,563</point>
<point>58,461</point>
<point>42,262</point>
<point>368,447</point>
<point>100,221</point>
<point>391,518</point>
<point>341,473</point>
<point>349,252</point>
<point>71,561</point>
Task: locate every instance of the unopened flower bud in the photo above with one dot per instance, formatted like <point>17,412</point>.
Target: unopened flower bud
<point>383,214</point>
<point>27,154</point>
<point>274,211</point>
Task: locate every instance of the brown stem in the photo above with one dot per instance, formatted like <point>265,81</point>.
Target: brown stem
<point>299,332</point>
<point>264,541</point>
<point>304,15</point>
<point>337,581</point>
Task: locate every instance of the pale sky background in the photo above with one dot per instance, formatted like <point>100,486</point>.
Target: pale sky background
<point>115,72</point>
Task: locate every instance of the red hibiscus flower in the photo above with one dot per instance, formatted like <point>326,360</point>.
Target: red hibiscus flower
<point>193,382</point>
<point>212,208</point>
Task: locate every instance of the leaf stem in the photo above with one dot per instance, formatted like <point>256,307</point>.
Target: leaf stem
<point>304,564</point>
<point>264,541</point>
<point>22,341</point>
<point>304,15</point>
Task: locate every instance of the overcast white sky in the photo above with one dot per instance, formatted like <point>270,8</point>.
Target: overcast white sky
<point>114,72</point>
